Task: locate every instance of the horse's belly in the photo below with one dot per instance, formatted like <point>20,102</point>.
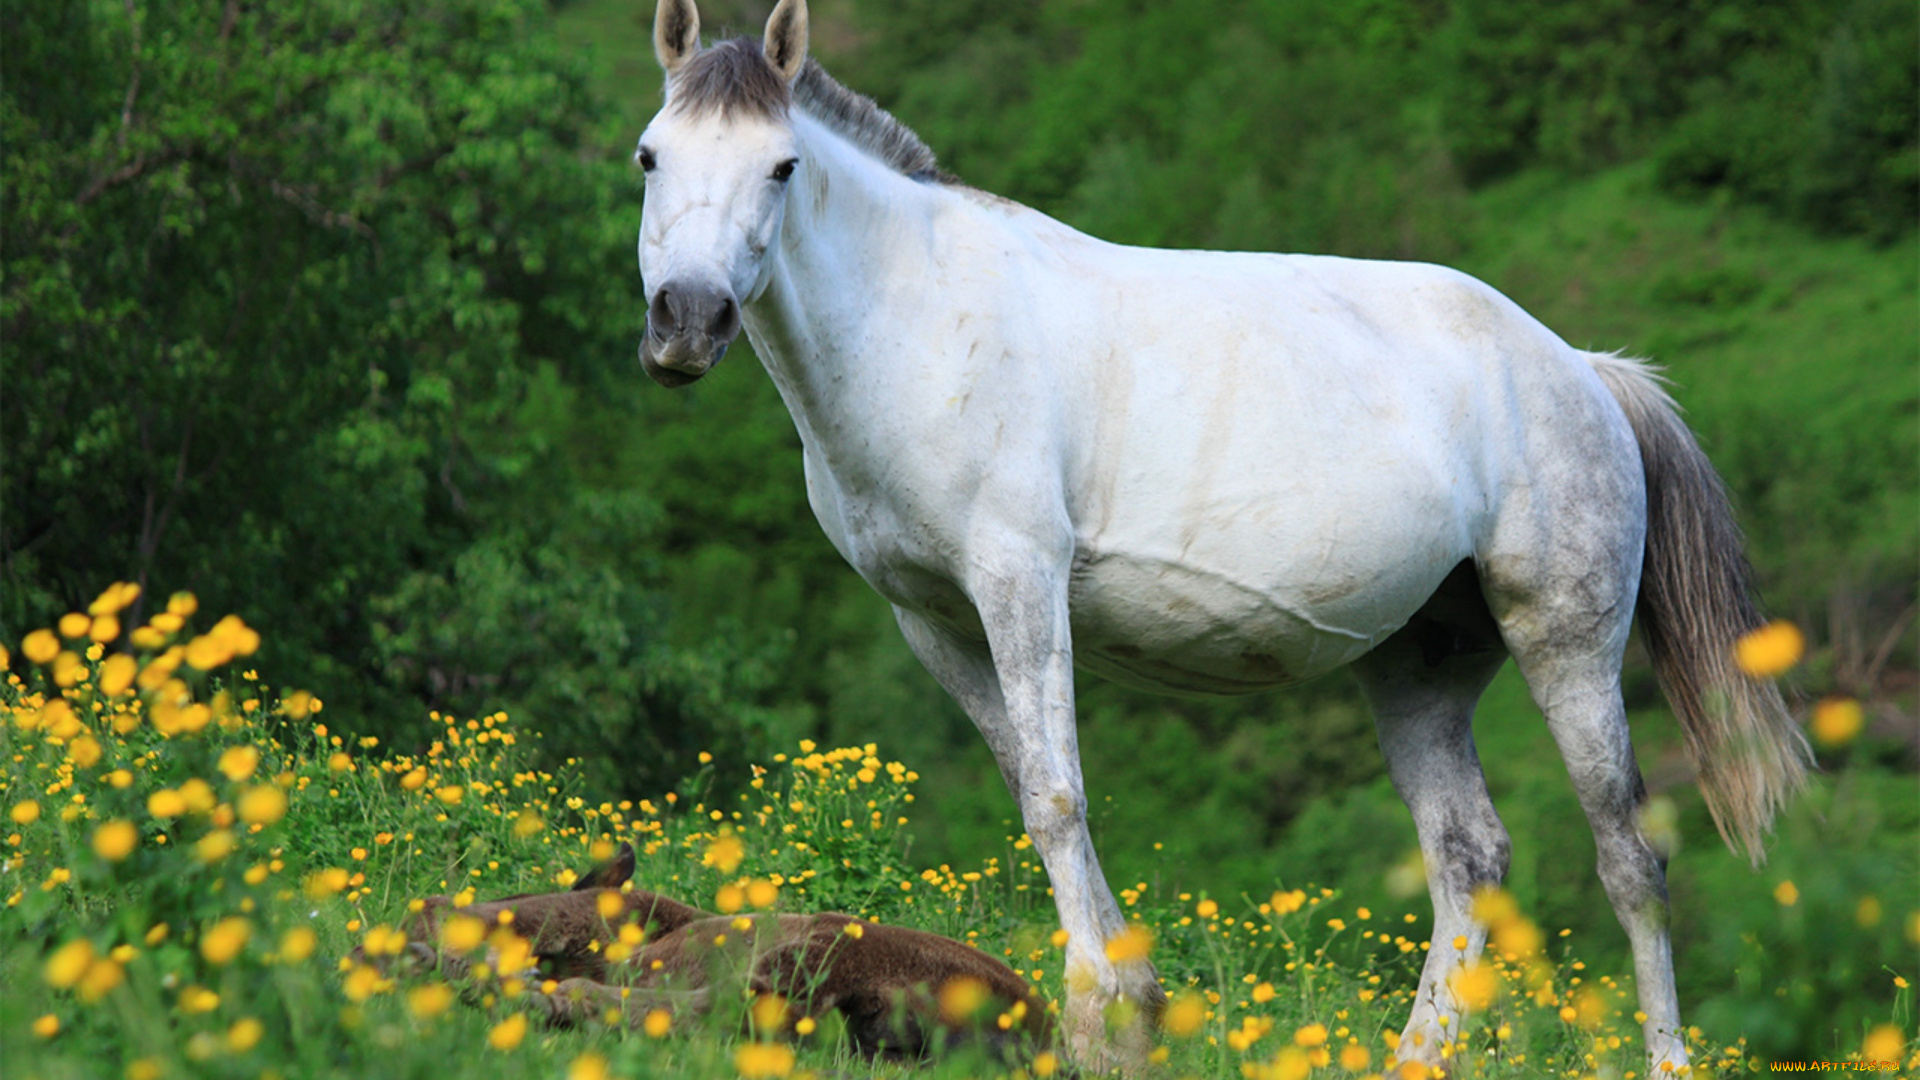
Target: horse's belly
<point>1182,629</point>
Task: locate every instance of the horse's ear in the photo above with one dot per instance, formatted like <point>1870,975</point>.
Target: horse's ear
<point>611,874</point>
<point>786,44</point>
<point>676,33</point>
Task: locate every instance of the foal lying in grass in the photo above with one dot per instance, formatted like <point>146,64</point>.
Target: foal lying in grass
<point>604,951</point>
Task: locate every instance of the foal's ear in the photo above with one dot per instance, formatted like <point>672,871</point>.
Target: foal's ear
<point>611,874</point>
<point>786,44</point>
<point>676,33</point>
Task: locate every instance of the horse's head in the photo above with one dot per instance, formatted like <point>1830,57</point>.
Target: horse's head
<point>718,157</point>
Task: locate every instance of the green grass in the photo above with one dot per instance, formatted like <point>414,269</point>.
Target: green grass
<point>253,808</point>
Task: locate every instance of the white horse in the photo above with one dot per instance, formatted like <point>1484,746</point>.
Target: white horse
<point>1206,472</point>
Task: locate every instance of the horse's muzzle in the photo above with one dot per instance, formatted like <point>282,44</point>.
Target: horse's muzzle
<point>688,331</point>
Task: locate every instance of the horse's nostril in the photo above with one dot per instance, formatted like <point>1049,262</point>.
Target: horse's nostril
<point>726,322</point>
<point>660,315</point>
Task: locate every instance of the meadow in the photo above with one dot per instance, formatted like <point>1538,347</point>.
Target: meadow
<point>193,854</point>
<point>325,312</point>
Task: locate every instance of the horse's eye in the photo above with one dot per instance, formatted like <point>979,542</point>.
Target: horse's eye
<point>645,157</point>
<point>783,172</point>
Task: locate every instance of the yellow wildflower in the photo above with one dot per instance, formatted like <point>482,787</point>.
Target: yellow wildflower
<point>238,762</point>
<point>40,646</point>
<point>68,963</point>
<point>1130,946</point>
<point>47,1026</point>
<point>223,940</point>
<point>1770,650</point>
<point>297,944</point>
<point>115,840</point>
<point>25,813</point>
<point>1184,1016</point>
<point>245,1034</point>
<point>1837,721</point>
<point>263,805</point>
<point>507,1033</point>
<point>657,1023</point>
<point>758,1061</point>
<point>429,1001</point>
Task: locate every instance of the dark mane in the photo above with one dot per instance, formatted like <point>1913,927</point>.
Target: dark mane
<point>733,76</point>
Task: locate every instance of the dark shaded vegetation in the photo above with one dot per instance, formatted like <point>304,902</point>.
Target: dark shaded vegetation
<point>318,307</point>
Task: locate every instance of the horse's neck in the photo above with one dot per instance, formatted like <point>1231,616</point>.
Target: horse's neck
<point>855,230</point>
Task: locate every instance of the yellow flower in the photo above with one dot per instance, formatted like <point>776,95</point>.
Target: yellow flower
<point>1207,909</point>
<point>223,940</point>
<point>725,853</point>
<point>115,840</point>
<point>588,1066</point>
<point>103,629</point>
<point>960,998</point>
<point>1263,993</point>
<point>25,813</point>
<point>527,823</point>
<point>1311,1035</point>
<point>462,933</point>
<point>40,647</point>
<point>198,999</point>
<point>429,1001</point>
<point>339,762</point>
<point>1286,903</point>
<point>362,983</point>
<point>804,1026</point>
<point>116,675</point>
<point>1884,1043</point>
<point>1131,945</point>
<point>47,1026</point>
<point>324,883</point>
<point>207,652</point>
<point>609,904</point>
<point>238,762</point>
<point>1045,1064</point>
<point>263,805</point>
<point>1058,939</point>
<point>297,944</point>
<point>507,1033</point>
<point>68,963</point>
<point>657,1024</point>
<point>1837,721</point>
<point>769,1012</point>
<point>1355,1058</point>
<point>166,803</point>
<point>384,940</point>
<point>1770,650</point>
<point>1184,1016</point>
<point>729,899</point>
<point>762,893</point>
<point>245,1034</point>
<point>1786,893</point>
<point>854,930</point>
<point>156,934</point>
<point>215,846</point>
<point>451,795</point>
<point>199,795</point>
<point>757,1061</point>
<point>101,977</point>
<point>74,625</point>
<point>1475,986</point>
<point>116,598</point>
<point>414,780</point>
<point>182,604</point>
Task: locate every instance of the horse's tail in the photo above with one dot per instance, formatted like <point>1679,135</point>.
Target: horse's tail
<point>1696,600</point>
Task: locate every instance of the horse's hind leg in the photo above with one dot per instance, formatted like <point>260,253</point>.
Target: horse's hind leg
<point>1423,683</point>
<point>1564,609</point>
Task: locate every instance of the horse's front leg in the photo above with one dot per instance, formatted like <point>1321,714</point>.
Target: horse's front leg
<point>1018,689</point>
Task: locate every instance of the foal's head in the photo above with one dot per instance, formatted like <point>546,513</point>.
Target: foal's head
<point>718,158</point>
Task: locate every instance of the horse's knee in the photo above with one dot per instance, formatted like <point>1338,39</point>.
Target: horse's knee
<point>1054,813</point>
